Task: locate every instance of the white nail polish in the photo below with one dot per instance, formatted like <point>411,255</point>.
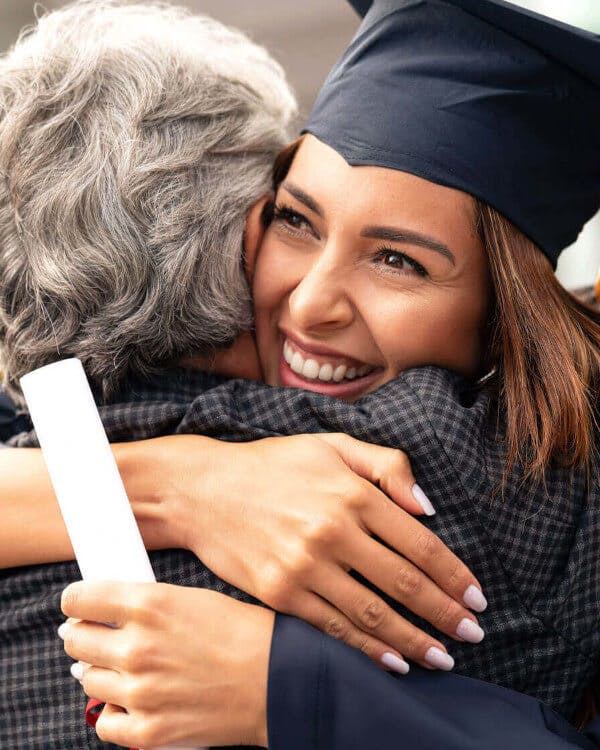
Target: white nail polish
<point>469,631</point>
<point>423,500</point>
<point>439,659</point>
<point>474,599</point>
<point>77,671</point>
<point>62,630</point>
<point>391,661</point>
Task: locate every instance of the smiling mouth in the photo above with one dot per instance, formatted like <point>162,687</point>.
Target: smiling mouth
<point>322,368</point>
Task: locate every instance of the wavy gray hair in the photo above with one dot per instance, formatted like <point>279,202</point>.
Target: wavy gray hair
<point>133,140</point>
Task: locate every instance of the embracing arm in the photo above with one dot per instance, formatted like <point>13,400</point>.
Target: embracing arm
<point>33,530</point>
<point>356,706</point>
<point>196,667</point>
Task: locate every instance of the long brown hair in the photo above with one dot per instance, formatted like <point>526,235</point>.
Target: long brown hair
<point>544,346</point>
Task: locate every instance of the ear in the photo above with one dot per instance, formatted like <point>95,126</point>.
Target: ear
<point>253,234</point>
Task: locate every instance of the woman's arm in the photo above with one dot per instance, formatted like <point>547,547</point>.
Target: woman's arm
<point>195,667</point>
<point>322,695</point>
<point>33,530</point>
<point>285,519</point>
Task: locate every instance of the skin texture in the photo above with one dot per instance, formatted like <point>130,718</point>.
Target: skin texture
<point>327,287</point>
<point>338,295</point>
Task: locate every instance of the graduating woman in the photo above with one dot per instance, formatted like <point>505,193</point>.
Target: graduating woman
<point>417,224</point>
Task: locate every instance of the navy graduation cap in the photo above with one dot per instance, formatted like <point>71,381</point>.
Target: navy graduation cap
<point>479,95</point>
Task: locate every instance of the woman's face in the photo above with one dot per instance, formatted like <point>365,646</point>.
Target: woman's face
<point>365,272</point>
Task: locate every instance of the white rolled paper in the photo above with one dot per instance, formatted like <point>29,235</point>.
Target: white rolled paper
<point>95,507</point>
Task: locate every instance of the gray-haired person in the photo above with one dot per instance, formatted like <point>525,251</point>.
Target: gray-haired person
<point>134,139</point>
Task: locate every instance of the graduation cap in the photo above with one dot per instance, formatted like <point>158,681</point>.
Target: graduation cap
<point>479,95</point>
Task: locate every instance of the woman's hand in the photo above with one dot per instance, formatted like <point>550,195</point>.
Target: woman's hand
<point>286,519</point>
<point>190,666</point>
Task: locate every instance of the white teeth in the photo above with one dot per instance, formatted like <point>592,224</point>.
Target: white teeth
<point>326,373</point>
<point>311,369</point>
<point>297,363</point>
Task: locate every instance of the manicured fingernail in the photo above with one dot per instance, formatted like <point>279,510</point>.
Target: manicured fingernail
<point>391,661</point>
<point>438,658</point>
<point>77,671</point>
<point>62,630</point>
<point>469,631</point>
<point>474,599</point>
<point>423,500</point>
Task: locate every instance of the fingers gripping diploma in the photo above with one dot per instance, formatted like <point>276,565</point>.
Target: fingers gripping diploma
<point>182,666</point>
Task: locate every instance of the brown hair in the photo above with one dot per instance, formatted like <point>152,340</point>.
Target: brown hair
<point>544,345</point>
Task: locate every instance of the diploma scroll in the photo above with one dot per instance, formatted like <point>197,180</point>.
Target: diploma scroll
<point>93,502</point>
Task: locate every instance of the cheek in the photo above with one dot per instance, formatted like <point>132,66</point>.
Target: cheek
<point>270,283</point>
<point>441,329</point>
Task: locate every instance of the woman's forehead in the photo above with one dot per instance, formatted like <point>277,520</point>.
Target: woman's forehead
<point>375,194</point>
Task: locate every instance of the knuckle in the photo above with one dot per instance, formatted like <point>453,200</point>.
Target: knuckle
<point>101,730</point>
<point>373,615</point>
<point>134,695</point>
<point>458,579</point>
<point>428,546</point>
<point>149,732</point>
<point>69,600</point>
<point>87,682</point>
<point>363,644</point>
<point>445,615</point>
<point>276,589</point>
<point>357,494</point>
<point>143,603</point>
<point>336,628</point>
<point>324,530</point>
<point>70,641</point>
<point>136,656</point>
<point>414,646</point>
<point>399,461</point>
<point>407,583</point>
<point>140,694</point>
<point>299,563</point>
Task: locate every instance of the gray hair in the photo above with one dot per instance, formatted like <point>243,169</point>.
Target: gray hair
<point>133,140</point>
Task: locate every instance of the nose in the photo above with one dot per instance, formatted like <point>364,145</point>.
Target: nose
<point>321,302</point>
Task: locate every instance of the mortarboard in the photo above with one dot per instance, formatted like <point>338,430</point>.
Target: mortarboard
<point>479,95</point>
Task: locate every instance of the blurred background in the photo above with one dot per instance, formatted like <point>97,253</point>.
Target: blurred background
<point>308,36</point>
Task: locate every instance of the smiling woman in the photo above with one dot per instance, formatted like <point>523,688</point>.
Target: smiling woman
<point>364,273</point>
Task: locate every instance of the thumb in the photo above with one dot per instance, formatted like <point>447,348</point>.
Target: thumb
<point>388,468</point>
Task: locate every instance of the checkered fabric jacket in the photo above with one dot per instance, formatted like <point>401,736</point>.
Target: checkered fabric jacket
<point>535,551</point>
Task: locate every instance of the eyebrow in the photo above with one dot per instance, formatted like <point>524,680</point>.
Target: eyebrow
<point>389,234</point>
<point>303,197</point>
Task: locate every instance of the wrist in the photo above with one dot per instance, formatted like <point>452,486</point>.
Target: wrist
<point>149,484</point>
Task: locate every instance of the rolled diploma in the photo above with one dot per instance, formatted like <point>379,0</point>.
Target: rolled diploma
<point>92,499</point>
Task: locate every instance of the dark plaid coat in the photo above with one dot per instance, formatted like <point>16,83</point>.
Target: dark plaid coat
<point>535,552</point>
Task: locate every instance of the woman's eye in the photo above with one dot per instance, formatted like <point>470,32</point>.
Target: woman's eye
<point>400,262</point>
<point>291,220</point>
